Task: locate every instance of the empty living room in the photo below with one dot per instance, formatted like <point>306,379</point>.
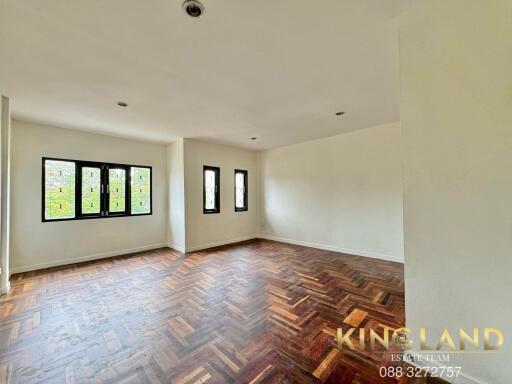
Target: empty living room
<point>250,192</point>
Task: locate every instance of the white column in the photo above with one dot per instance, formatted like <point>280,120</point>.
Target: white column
<point>5,147</point>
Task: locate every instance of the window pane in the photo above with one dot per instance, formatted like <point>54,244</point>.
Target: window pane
<point>209,185</point>
<point>141,190</point>
<point>239,190</point>
<point>59,189</point>
<point>117,190</point>
<point>91,184</point>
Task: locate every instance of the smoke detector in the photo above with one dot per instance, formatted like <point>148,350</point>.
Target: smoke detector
<point>193,8</point>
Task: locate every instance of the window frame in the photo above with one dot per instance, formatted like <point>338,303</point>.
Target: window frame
<point>216,170</point>
<point>245,208</point>
<point>127,194</point>
<point>129,191</point>
<point>104,192</point>
<point>78,190</point>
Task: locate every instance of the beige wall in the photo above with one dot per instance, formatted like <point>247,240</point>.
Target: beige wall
<point>176,198</point>
<point>342,193</point>
<point>36,244</point>
<point>202,230</point>
<point>456,70</point>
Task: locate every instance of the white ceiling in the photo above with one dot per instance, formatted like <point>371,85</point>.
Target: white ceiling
<point>275,69</point>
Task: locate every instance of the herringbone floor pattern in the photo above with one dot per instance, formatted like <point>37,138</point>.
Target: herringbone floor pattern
<point>259,312</point>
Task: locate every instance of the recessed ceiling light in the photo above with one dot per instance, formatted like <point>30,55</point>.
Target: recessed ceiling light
<point>340,113</point>
<point>122,104</point>
<point>193,8</point>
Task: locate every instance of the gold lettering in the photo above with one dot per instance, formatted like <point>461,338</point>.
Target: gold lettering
<point>487,338</point>
<point>400,338</point>
<point>361,339</point>
<point>423,341</point>
<point>384,341</point>
<point>345,338</point>
<point>464,337</point>
<point>446,340</point>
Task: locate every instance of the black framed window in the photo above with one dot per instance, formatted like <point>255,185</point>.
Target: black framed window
<point>211,189</point>
<point>241,192</point>
<point>76,189</point>
<point>90,186</point>
<point>117,189</point>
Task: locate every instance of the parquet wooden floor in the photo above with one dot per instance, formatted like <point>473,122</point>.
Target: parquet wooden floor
<point>258,312</point>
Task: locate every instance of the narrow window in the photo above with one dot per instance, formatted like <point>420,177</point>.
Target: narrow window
<point>116,190</point>
<point>90,190</point>
<point>240,191</point>
<point>141,190</point>
<point>211,189</point>
<point>59,189</point>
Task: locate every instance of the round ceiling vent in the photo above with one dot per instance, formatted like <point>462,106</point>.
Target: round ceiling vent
<point>193,8</point>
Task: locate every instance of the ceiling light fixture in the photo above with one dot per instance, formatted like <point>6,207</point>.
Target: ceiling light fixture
<point>340,113</point>
<point>193,8</point>
<point>122,104</point>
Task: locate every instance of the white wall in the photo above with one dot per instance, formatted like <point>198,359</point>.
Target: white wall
<point>341,193</point>
<point>36,244</point>
<point>456,70</point>
<point>5,192</point>
<point>202,230</point>
<point>176,198</point>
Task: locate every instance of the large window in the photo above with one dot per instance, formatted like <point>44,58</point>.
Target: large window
<point>240,190</point>
<point>90,190</point>
<point>116,189</point>
<point>59,189</point>
<point>140,190</point>
<point>211,189</point>
<point>74,189</point>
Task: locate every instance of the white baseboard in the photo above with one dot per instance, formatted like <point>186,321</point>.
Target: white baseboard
<point>356,252</point>
<point>61,262</point>
<point>219,243</point>
<point>179,248</point>
<point>58,263</point>
<point>6,290</point>
<point>463,378</point>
